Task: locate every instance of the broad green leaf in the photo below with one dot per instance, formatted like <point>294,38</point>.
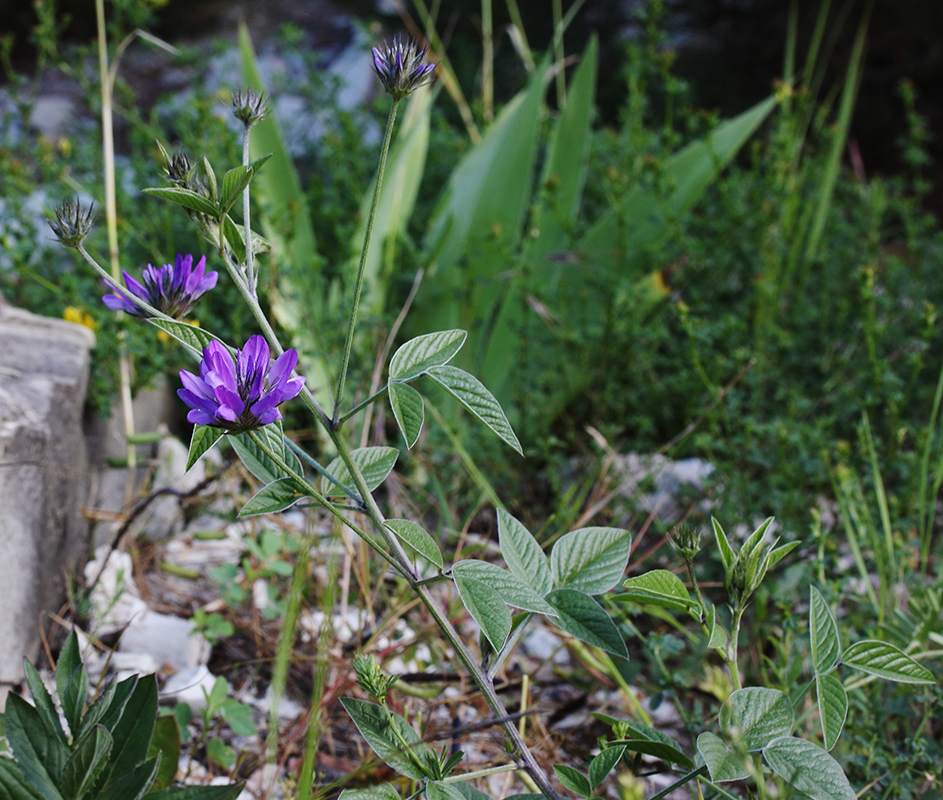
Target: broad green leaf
<point>133,783</point>
<point>436,790</point>
<point>13,785</point>
<point>650,747</point>
<point>166,741</point>
<point>885,661</point>
<point>756,538</point>
<point>95,713</point>
<point>753,716</point>
<point>236,179</point>
<point>826,647</point>
<point>189,336</point>
<point>186,198</point>
<point>408,410</point>
<point>522,553</point>
<point>716,635</point>
<point>581,616</point>
<point>230,792</point>
<point>43,702</point>
<point>375,725</point>
<point>640,732</point>
<point>132,732</point>
<point>257,461</point>
<point>276,496</point>
<point>779,553</point>
<point>659,588</point>
<point>573,779</point>
<point>424,352</point>
<point>726,552</point>
<point>808,768</point>
<point>469,792</point>
<point>70,661</point>
<point>382,791</point>
<point>235,236</point>
<point>417,538</point>
<point>833,707</point>
<point>604,763</point>
<point>239,717</point>
<point>487,608</point>
<point>203,438</point>
<point>512,589</point>
<point>374,462</point>
<point>723,764</point>
<point>472,394</point>
<point>591,560</point>
<point>86,763</point>
<point>39,754</point>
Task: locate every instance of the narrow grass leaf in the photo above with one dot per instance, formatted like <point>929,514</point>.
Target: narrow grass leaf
<point>591,560</point>
<point>417,538</point>
<point>375,464</point>
<point>723,764</point>
<point>408,410</point>
<point>472,394</point>
<point>581,616</point>
<point>808,768</point>
<point>512,589</point>
<point>659,588</point>
<point>833,707</point>
<point>885,661</point>
<point>487,608</point>
<point>203,438</point>
<point>826,646</point>
<point>523,554</point>
<point>375,724</point>
<point>753,716</point>
<point>417,355</point>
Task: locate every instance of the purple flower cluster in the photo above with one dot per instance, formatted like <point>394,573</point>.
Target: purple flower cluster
<point>400,67</point>
<point>242,394</point>
<point>172,289</point>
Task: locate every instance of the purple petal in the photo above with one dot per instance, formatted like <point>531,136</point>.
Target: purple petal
<point>198,417</point>
<point>197,402</point>
<point>230,404</point>
<point>284,365</point>
<point>117,302</point>
<point>253,363</point>
<point>196,385</point>
<point>270,416</point>
<point>291,388</point>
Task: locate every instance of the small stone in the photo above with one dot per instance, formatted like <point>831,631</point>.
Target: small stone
<point>171,641</point>
<point>189,686</point>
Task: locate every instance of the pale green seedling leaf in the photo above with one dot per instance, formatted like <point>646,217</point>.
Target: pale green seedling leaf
<point>573,779</point>
<point>808,768</point>
<point>723,764</point>
<point>416,538</point>
<point>833,707</point>
<point>374,462</point>
<point>591,560</point>
<point>885,661</point>
<point>375,724</point>
<point>408,410</point>
<point>424,352</point>
<point>826,646</point>
<point>487,608</point>
<point>581,616</point>
<point>723,545</point>
<point>512,589</point>
<point>203,438</point>
<point>659,588</point>
<point>523,554</point>
<point>753,716</point>
<point>756,538</point>
<point>777,554</point>
<point>186,198</point>
<point>472,394</point>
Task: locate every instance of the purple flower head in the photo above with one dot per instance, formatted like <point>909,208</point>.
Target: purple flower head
<point>400,67</point>
<point>239,395</point>
<point>171,289</point>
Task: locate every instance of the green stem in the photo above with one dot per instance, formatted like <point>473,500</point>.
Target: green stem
<point>733,647</point>
<point>481,773</point>
<point>251,278</point>
<point>352,323</point>
<point>362,404</point>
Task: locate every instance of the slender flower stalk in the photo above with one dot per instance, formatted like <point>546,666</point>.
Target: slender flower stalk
<point>249,108</point>
<point>172,289</point>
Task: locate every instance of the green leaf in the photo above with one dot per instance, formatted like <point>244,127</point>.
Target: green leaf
<point>512,589</point>
<point>753,716</point>
<point>239,717</point>
<point>573,779</point>
<point>74,697</point>
<point>382,791</point>
<point>716,635</point>
<point>257,461</point>
<point>666,752</point>
<point>96,712</point>
<point>417,538</point>
<point>604,763</point>
<point>189,336</point>
<point>723,764</point>
<point>659,588</point>
<point>833,707</point>
<point>186,198</point>
<point>522,553</point>
<point>487,608</point>
<point>726,552</point>
<point>408,410</point>
<point>471,793</point>
<point>885,661</point>
<point>221,753</point>
<point>374,462</point>
<point>13,785</point>
<point>808,768</point>
<point>826,647</point>
<point>472,394</point>
<point>756,538</point>
<point>38,752</point>
<point>166,742</point>
<point>234,236</point>
<point>779,553</point>
<point>132,732</point>
<point>203,438</point>
<point>230,792</point>
<point>43,702</point>
<point>436,790</point>
<point>375,725</point>
<point>581,616</point>
<point>419,355</point>
<point>132,784</point>
<point>70,661</point>
<point>275,497</point>
<point>86,763</point>
<point>236,179</point>
<point>591,560</point>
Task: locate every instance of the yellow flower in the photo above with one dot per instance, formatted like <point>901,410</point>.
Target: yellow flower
<point>79,317</point>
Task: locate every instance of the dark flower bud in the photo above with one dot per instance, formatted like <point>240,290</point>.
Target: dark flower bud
<point>72,222</point>
<point>179,169</point>
<point>249,107</point>
<point>401,68</point>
